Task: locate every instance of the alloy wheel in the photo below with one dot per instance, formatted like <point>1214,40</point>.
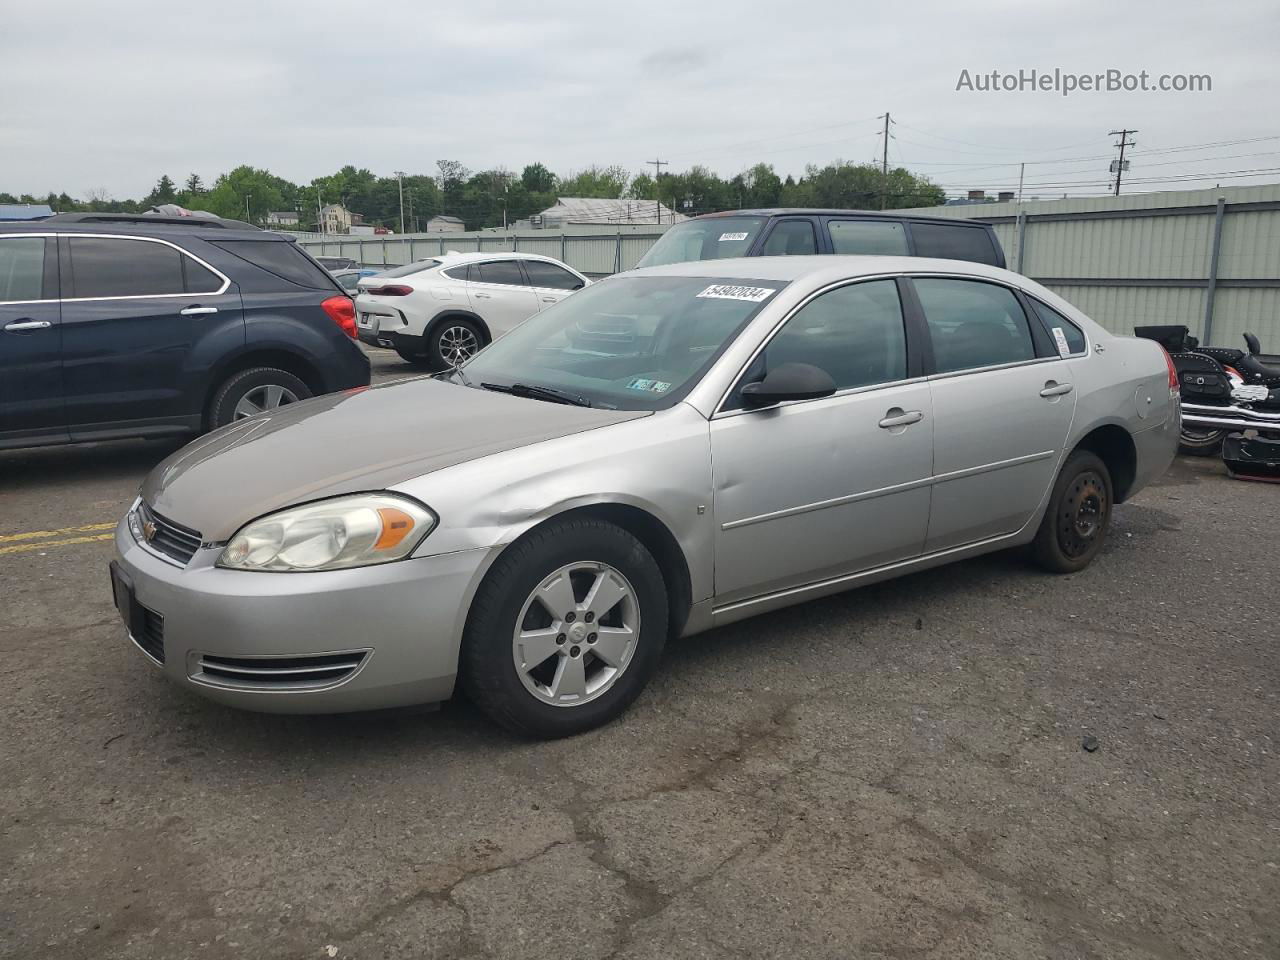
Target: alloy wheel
<point>260,399</point>
<point>457,344</point>
<point>576,633</point>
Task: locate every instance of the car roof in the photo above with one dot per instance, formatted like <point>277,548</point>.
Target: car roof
<point>459,257</point>
<point>833,212</point>
<point>125,228</point>
<point>820,268</point>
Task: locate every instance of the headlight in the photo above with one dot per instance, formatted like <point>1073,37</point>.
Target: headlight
<point>353,531</point>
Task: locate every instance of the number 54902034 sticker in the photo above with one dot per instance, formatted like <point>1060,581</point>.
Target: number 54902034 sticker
<point>729,291</point>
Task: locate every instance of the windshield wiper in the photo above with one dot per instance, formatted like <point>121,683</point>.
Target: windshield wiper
<point>537,392</point>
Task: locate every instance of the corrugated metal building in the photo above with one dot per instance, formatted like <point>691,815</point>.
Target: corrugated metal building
<point>1206,258</point>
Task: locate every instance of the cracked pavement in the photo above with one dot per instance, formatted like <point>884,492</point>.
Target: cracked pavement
<point>894,772</point>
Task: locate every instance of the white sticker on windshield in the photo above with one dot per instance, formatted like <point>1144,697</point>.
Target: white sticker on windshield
<point>1060,338</point>
<point>732,236</point>
<point>728,291</point>
<point>649,386</point>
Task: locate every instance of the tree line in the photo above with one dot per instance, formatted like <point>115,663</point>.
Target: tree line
<point>490,198</point>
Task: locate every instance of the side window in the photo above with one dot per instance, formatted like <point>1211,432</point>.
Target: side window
<point>543,274</point>
<point>973,324</point>
<point>953,243</point>
<point>110,267</point>
<point>199,279</point>
<point>868,237</point>
<point>506,272</point>
<point>854,333</point>
<point>21,268</point>
<point>1053,321</point>
<point>790,238</point>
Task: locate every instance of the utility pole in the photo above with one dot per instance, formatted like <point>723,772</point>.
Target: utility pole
<point>246,207</point>
<point>319,213</point>
<point>400,178</point>
<point>1124,142</point>
<point>884,163</point>
<point>657,175</point>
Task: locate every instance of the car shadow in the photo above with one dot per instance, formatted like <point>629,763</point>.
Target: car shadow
<point>105,460</point>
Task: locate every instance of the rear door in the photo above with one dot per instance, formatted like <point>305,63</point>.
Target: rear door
<point>132,309</point>
<point>550,282</point>
<point>867,236</point>
<point>1003,404</point>
<point>31,405</point>
<point>500,294</point>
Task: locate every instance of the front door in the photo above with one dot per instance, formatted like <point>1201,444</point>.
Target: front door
<point>131,312</point>
<point>500,295</point>
<point>810,490</point>
<point>31,406</point>
<point>1003,406</point>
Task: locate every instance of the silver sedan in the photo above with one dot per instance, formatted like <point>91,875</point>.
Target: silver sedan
<point>664,452</point>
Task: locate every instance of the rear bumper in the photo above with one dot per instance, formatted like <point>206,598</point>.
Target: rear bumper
<point>406,618</point>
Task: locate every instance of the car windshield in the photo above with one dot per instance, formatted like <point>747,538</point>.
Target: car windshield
<point>712,239</point>
<point>628,343</point>
<point>410,268</point>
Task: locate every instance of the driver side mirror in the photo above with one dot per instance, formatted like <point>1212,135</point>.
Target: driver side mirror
<point>790,381</point>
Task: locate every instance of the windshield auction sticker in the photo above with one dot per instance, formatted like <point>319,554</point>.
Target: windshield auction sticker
<point>649,386</point>
<point>1060,338</point>
<point>726,291</point>
<point>732,236</point>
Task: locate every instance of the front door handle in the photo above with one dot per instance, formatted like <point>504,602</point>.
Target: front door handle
<point>897,417</point>
<point>484,296</point>
<point>550,300</point>
<point>19,325</point>
<point>1055,389</point>
<point>196,311</point>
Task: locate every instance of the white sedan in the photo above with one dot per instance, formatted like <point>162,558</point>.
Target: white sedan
<point>440,311</point>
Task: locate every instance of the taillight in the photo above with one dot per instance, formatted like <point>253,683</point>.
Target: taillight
<point>390,290</point>
<point>342,312</point>
<point>1173,372</point>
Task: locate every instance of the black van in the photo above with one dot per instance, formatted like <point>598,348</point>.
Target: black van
<point>771,233</point>
<point>139,325</point>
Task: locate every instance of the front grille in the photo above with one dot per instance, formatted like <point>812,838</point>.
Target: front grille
<point>150,636</point>
<point>321,670</point>
<point>171,539</point>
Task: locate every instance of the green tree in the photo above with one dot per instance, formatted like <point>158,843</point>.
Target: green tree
<point>163,192</point>
<point>244,193</point>
<point>193,185</point>
<point>536,178</point>
<point>605,182</point>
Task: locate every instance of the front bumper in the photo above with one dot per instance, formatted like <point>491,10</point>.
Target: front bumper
<point>408,616</point>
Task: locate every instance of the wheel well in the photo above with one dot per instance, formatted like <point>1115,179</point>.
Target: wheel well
<point>280,359</point>
<point>459,315</point>
<point>658,540</point>
<point>1114,446</point>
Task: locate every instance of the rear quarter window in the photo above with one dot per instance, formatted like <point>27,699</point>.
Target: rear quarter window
<point>1072,335</point>
<point>280,257</point>
<point>957,242</point>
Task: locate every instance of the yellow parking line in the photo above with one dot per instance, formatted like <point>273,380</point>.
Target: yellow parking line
<point>41,544</point>
<point>37,534</point>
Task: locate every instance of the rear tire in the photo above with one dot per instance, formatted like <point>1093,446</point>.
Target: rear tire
<point>256,390</point>
<point>1201,443</point>
<point>517,651</point>
<point>453,341</point>
<point>1076,520</point>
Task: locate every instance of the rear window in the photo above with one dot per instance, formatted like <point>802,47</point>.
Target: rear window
<point>409,268</point>
<point>954,243</point>
<point>875,237</point>
<point>282,258</point>
<point>713,239</point>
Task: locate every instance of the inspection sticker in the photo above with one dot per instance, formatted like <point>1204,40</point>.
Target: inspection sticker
<point>728,291</point>
<point>649,386</point>
<point>732,236</point>
<point>1060,338</point>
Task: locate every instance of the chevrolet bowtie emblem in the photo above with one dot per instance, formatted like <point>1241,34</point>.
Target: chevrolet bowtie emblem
<point>149,531</point>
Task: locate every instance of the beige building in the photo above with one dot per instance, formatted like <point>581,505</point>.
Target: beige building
<point>443,224</point>
<point>335,218</point>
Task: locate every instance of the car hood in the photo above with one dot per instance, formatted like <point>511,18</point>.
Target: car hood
<point>367,439</point>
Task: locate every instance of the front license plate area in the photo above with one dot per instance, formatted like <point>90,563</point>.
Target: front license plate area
<point>126,603</point>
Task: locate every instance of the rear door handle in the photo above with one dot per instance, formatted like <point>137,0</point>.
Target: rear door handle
<point>19,325</point>
<point>1055,389</point>
<point>900,418</point>
<point>484,296</point>
<point>196,311</point>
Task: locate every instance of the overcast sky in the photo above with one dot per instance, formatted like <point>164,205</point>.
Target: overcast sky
<point>111,95</point>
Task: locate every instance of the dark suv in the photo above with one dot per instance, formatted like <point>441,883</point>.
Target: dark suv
<point>127,326</point>
<point>770,233</point>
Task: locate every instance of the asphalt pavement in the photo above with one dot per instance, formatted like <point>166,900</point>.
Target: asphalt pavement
<point>900,771</point>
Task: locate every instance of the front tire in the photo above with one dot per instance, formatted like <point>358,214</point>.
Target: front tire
<point>1075,522</point>
<point>254,391</point>
<point>566,629</point>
